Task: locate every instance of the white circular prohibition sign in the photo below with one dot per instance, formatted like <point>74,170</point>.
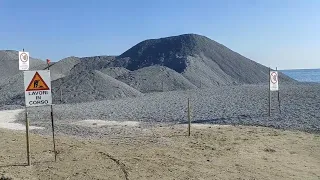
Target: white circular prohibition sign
<point>24,57</point>
<point>274,78</point>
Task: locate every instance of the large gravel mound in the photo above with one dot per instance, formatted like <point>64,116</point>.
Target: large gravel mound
<point>200,59</point>
<point>90,86</point>
<point>156,78</point>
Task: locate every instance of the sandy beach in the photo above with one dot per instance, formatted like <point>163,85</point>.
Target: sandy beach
<point>212,152</point>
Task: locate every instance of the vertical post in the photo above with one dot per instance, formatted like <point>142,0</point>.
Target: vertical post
<point>162,85</point>
<point>27,133</point>
<point>60,95</point>
<point>189,118</point>
<point>279,92</point>
<point>269,93</point>
<point>27,137</point>
<point>54,142</point>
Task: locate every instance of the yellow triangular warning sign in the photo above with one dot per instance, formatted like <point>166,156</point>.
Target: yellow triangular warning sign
<point>37,83</point>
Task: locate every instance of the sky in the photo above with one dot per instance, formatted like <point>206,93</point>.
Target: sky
<point>275,33</point>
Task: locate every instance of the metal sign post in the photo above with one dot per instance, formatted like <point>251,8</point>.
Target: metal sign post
<point>27,138</point>
<point>53,138</point>
<point>23,66</point>
<point>278,93</point>
<point>189,118</point>
<point>269,93</point>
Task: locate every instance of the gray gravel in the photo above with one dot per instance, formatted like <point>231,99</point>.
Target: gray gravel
<point>90,86</point>
<point>236,105</point>
<point>155,78</point>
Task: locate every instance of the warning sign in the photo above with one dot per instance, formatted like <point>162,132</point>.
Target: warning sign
<point>37,88</point>
<point>23,61</point>
<point>274,81</point>
<point>37,83</point>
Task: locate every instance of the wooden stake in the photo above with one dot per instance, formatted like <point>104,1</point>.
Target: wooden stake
<point>60,95</point>
<point>189,118</point>
<point>269,93</point>
<point>54,141</point>
<point>279,92</point>
<point>27,138</point>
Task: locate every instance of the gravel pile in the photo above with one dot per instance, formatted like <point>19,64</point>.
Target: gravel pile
<point>90,86</point>
<point>198,58</point>
<point>156,78</point>
<point>236,105</point>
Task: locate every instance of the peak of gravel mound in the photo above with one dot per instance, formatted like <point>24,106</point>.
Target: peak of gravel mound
<point>201,60</point>
<point>155,78</point>
<point>63,67</point>
<point>9,63</point>
<point>90,86</point>
<point>93,63</point>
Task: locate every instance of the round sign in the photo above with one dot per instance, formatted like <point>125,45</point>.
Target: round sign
<point>274,77</point>
<point>24,57</point>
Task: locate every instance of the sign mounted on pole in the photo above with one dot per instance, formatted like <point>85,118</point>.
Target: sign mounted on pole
<point>37,85</point>
<point>274,81</point>
<point>23,61</point>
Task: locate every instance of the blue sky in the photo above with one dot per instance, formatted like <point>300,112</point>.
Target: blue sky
<point>276,33</point>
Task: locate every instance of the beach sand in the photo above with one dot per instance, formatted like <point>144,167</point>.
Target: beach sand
<point>212,152</point>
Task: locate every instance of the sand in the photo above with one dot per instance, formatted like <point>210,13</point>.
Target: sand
<point>212,152</point>
<point>8,117</point>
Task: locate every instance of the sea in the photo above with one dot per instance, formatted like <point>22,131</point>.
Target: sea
<point>304,75</point>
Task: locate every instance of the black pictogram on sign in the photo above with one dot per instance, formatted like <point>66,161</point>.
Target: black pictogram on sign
<point>274,77</point>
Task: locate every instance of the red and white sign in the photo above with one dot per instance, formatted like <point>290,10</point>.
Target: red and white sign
<point>274,81</point>
<point>23,61</point>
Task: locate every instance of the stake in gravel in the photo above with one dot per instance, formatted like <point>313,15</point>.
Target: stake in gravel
<point>24,59</point>
<point>51,114</point>
<point>189,118</point>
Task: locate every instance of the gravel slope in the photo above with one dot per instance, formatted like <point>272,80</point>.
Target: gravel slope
<point>156,78</point>
<point>115,72</point>
<point>63,67</point>
<point>244,105</point>
<point>90,86</point>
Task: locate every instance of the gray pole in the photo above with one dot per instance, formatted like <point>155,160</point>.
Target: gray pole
<point>269,93</point>
<point>27,137</point>
<point>189,118</point>
<point>54,142</point>
<point>27,134</point>
<point>279,92</point>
